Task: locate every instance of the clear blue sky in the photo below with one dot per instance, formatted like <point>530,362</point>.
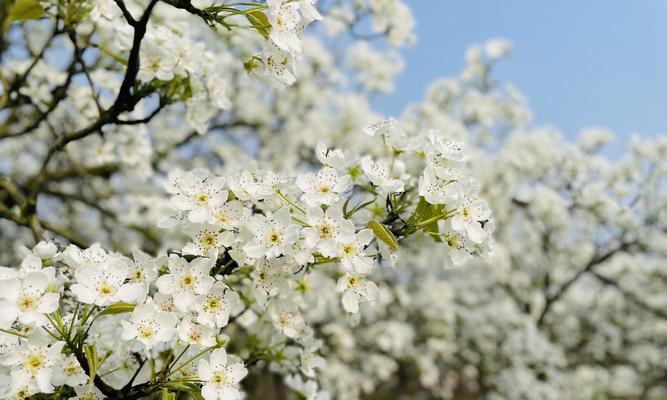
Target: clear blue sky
<point>580,62</point>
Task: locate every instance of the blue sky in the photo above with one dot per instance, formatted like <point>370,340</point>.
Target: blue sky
<point>580,63</point>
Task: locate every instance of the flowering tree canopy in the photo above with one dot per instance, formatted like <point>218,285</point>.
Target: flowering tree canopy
<point>198,201</point>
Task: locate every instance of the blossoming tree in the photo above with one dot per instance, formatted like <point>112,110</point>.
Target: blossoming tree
<point>198,201</point>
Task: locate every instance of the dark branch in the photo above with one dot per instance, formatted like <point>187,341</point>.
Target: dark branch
<point>126,13</point>
<point>630,296</point>
<point>595,261</point>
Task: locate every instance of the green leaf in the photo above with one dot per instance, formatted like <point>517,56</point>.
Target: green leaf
<point>183,387</point>
<point>5,8</point>
<point>383,233</point>
<point>23,10</point>
<point>167,395</point>
<point>425,211</point>
<point>259,21</point>
<point>118,308</point>
<point>93,360</point>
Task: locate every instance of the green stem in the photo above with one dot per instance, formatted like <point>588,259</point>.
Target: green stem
<point>14,333</point>
<point>196,356</point>
<point>290,202</point>
<point>71,324</point>
<point>358,207</point>
<point>302,222</point>
<point>434,219</point>
<point>178,358</point>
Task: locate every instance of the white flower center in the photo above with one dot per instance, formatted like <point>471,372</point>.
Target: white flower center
<point>187,281</point>
<point>104,289</point>
<point>349,250</point>
<point>27,303</point>
<point>325,230</point>
<point>34,363</point>
<point>146,332</point>
<point>274,238</point>
<point>202,198</point>
<point>219,378</point>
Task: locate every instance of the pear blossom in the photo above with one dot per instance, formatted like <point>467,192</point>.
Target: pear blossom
<point>285,19</point>
<point>380,176</point>
<point>324,188</point>
<point>214,308</point>
<point>269,278</point>
<point>104,284</point>
<point>155,63</point>
<point>70,373</point>
<point>445,169</point>
<point>286,317</point>
<point>472,214</point>
<point>356,288</point>
<point>327,230</point>
<point>447,148</point>
<point>221,375</point>
<point>196,334</point>
<point>27,299</point>
<point>460,246</point>
<point>283,280</point>
<point>277,65</point>
<point>245,187</point>
<point>383,127</point>
<point>434,190</point>
<point>93,255</point>
<point>44,250</point>
<point>186,280</point>
<point>88,393</point>
<point>149,326</point>
<point>308,10</point>
<point>143,270</point>
<point>34,364</point>
<point>334,158</point>
<point>230,215</point>
<point>352,252</point>
<point>273,234</point>
<point>207,238</point>
<point>196,192</point>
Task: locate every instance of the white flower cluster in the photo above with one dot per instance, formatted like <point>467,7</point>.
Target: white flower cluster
<point>255,239</point>
<point>288,20</point>
<point>289,277</point>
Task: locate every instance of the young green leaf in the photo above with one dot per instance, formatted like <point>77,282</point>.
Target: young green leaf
<point>167,395</point>
<point>23,10</point>
<point>93,360</point>
<point>424,212</point>
<point>259,21</point>
<point>383,233</point>
<point>118,308</point>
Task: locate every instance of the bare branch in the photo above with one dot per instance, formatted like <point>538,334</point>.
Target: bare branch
<point>595,261</point>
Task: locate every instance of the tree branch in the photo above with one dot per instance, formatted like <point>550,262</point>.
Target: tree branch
<point>126,13</point>
<point>597,260</point>
<point>630,296</point>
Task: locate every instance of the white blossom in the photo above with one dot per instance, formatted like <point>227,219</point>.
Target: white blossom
<point>380,176</point>
<point>105,284</point>
<point>272,234</point>
<point>149,325</point>
<point>221,375</point>
<point>356,288</point>
<point>214,308</point>
<point>186,280</point>
<point>324,188</point>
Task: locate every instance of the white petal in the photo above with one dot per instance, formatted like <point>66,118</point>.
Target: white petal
<point>218,359</point>
<point>204,370</point>
<point>84,294</point>
<point>350,301</point>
